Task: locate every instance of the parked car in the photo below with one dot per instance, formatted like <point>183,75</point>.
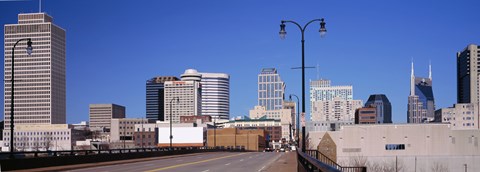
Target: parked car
<point>282,149</point>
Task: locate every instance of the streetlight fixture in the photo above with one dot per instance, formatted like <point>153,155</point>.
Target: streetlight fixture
<point>171,135</point>
<point>298,117</point>
<point>29,50</point>
<point>283,34</point>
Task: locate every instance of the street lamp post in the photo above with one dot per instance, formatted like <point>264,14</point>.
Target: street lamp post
<point>214,133</point>
<point>298,116</point>
<point>29,52</point>
<point>171,136</point>
<point>283,33</point>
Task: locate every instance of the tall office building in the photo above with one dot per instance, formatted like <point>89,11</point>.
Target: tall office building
<point>332,103</point>
<point>215,95</point>
<point>271,89</point>
<point>468,72</point>
<point>101,115</point>
<point>468,78</point>
<point>383,107</point>
<point>188,92</point>
<point>155,95</point>
<point>40,77</point>
<point>421,103</point>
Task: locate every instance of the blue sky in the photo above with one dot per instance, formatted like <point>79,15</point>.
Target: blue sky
<point>113,47</point>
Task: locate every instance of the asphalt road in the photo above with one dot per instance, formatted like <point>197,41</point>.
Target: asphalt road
<point>206,162</point>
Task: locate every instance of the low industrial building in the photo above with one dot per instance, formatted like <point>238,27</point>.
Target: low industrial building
<point>326,125</point>
<point>413,147</point>
<point>44,137</point>
<point>272,127</point>
<point>231,138</point>
<point>145,135</point>
<point>122,129</point>
<point>462,116</point>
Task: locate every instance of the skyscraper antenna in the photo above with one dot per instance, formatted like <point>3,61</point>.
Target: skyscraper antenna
<point>318,71</point>
<point>39,6</point>
<point>430,69</point>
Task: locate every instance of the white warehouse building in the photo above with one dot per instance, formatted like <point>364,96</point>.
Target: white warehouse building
<point>413,147</point>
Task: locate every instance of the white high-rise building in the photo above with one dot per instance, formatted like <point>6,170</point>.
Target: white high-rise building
<point>188,92</point>
<point>271,89</point>
<point>337,109</point>
<point>323,90</point>
<point>332,103</point>
<point>40,77</point>
<point>215,95</point>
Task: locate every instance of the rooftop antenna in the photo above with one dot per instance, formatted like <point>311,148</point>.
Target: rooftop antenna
<point>318,71</point>
<point>39,6</point>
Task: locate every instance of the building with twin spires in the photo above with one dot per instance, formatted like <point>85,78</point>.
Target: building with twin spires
<point>421,103</point>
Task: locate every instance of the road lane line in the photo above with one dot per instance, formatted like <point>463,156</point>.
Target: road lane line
<point>227,164</point>
<point>191,163</point>
<point>241,160</point>
<point>261,169</point>
<point>206,170</point>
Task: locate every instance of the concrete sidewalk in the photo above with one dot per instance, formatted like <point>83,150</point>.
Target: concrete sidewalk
<point>286,163</point>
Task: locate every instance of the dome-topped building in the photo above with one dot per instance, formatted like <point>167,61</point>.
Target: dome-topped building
<point>191,75</point>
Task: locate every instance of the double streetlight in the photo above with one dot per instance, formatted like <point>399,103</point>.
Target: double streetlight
<point>283,33</point>
<point>171,135</point>
<point>29,52</point>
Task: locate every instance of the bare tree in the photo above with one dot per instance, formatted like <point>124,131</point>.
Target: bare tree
<point>47,141</point>
<point>439,167</point>
<point>358,161</point>
<point>36,144</point>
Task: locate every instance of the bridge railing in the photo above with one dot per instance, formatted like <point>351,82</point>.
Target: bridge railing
<point>314,160</point>
<point>36,154</point>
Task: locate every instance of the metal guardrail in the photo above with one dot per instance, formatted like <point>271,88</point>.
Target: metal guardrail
<point>39,154</point>
<point>314,160</point>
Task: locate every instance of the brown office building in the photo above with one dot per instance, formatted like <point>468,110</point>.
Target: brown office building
<point>253,140</point>
<point>366,115</point>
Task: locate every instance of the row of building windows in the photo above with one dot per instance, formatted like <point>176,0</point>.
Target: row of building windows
<point>27,105</point>
<point>395,147</point>
<point>26,35</point>
<point>28,88</point>
<point>28,97</point>
<point>28,59</point>
<point>15,29</point>
<point>26,70</point>
<point>27,109</point>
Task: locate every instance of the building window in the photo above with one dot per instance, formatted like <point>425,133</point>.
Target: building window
<point>395,147</point>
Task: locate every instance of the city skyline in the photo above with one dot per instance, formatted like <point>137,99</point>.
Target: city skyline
<point>89,83</point>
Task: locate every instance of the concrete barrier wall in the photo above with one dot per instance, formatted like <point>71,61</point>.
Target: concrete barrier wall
<point>29,163</point>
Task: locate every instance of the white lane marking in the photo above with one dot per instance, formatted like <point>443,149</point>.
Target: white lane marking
<point>261,168</point>
<point>241,160</point>
<point>206,170</point>
<point>227,164</point>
